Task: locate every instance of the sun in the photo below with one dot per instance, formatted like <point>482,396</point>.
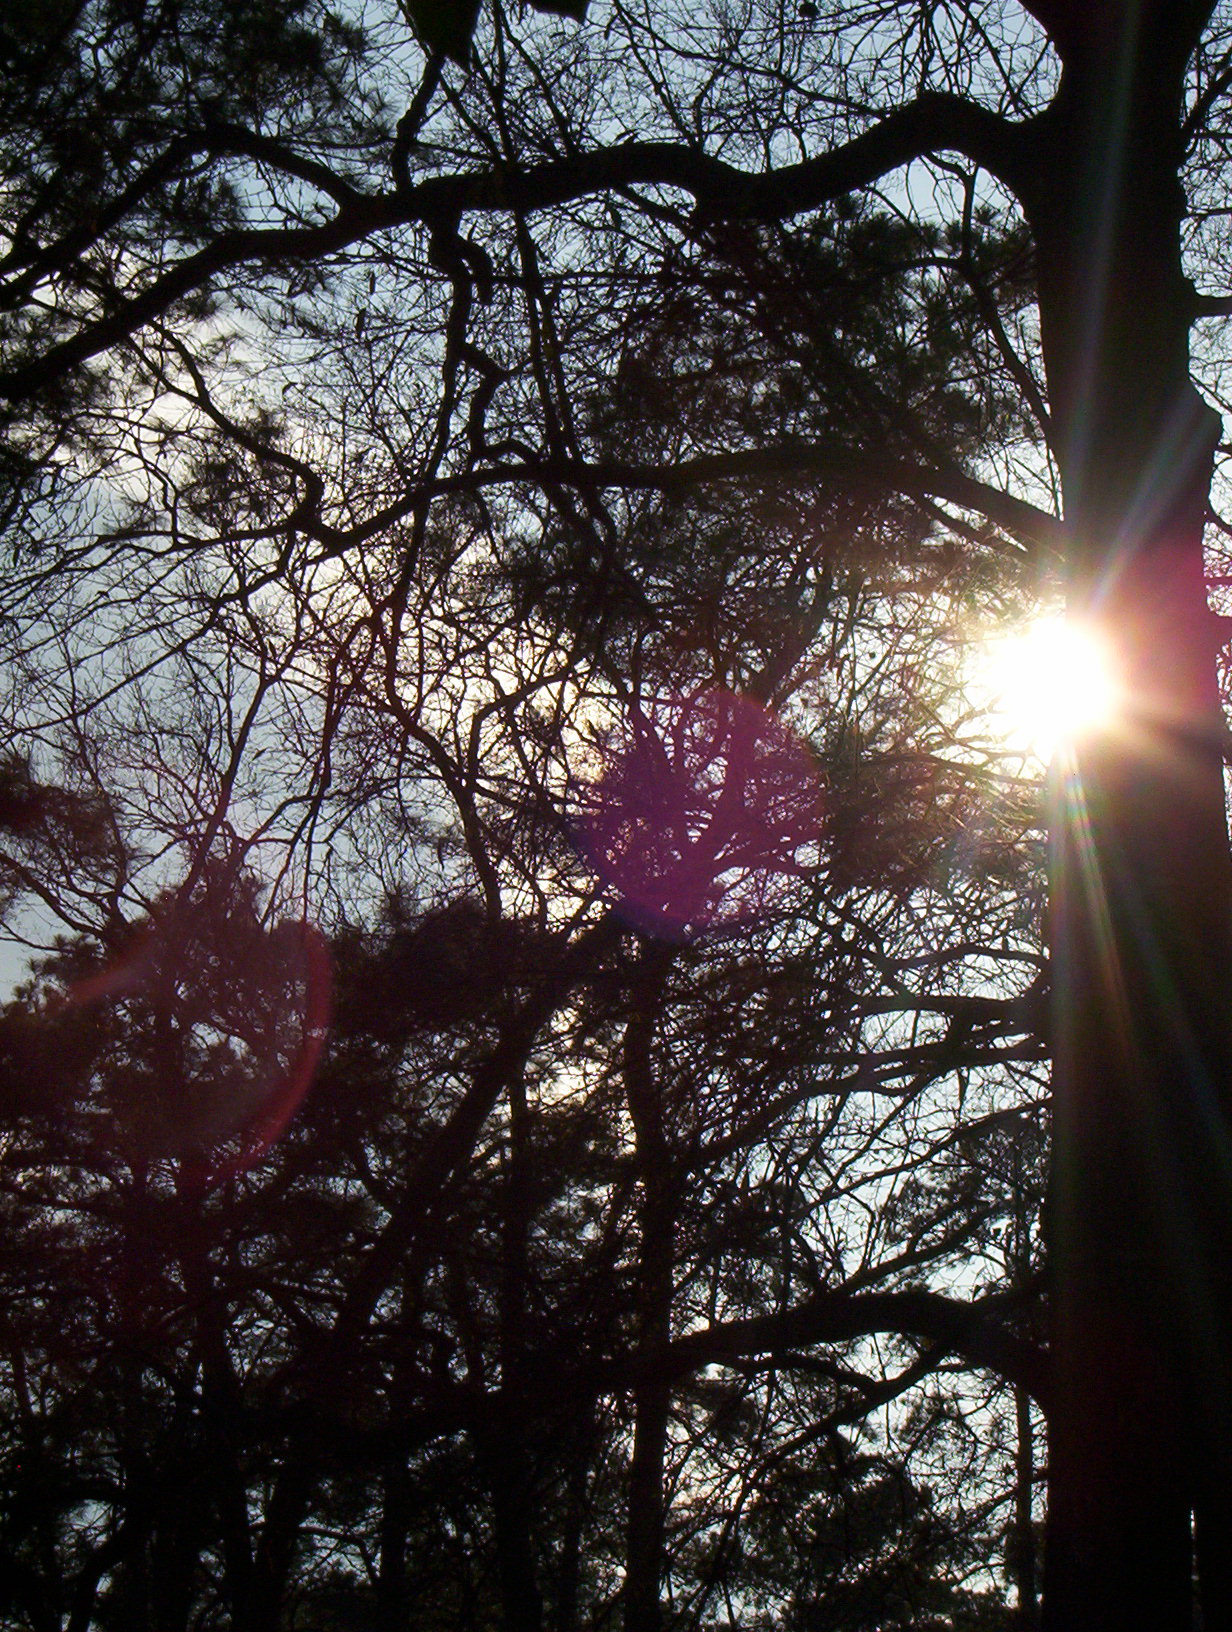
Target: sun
<point>1048,685</point>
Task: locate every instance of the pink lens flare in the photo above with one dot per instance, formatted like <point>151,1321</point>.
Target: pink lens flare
<point>224,1023</point>
<point>311,1020</point>
<point>703,812</point>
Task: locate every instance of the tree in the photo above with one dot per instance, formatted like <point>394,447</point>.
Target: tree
<point>491,1231</point>
<point>198,1314</point>
<point>428,1323</point>
<point>256,185</point>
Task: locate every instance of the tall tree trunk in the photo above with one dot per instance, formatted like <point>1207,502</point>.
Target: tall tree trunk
<point>177,1545</point>
<point>565,1616</point>
<point>508,1453</point>
<point>647,1516</point>
<point>274,1559</point>
<point>393,1601</point>
<point>221,1396</point>
<point>1142,884</point>
<point>521,1599</point>
<point>1021,1550</point>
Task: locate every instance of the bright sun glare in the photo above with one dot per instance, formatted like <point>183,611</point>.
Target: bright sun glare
<point>1049,684</point>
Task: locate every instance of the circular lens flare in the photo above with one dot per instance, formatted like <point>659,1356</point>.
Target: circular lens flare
<point>224,1022</point>
<point>1049,685</point>
<point>704,810</point>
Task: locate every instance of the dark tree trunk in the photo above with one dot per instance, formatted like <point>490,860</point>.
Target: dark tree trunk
<point>232,1499</point>
<point>178,1543</point>
<point>1142,885</point>
<point>569,1573</point>
<point>219,1461</point>
<point>394,1607</point>
<point>1022,1560</point>
<point>644,1542</point>
<point>508,1454</point>
<point>646,1518</point>
<point>521,1599</point>
<point>275,1552</point>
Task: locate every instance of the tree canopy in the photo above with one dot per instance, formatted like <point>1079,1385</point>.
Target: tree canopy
<point>557,998</point>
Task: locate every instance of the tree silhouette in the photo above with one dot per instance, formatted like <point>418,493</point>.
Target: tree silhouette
<point>377,425</point>
<point>525,1201</point>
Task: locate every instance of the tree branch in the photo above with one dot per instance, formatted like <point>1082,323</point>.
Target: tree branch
<point>800,461</point>
<point>968,1329</point>
<point>932,123</point>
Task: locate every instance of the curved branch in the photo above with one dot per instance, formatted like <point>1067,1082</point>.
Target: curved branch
<point>353,222</point>
<point>952,484</point>
<point>799,461</point>
<point>967,1329</point>
<point>933,123</point>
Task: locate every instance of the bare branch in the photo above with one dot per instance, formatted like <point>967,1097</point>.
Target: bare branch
<point>931,124</point>
<point>970,1329</point>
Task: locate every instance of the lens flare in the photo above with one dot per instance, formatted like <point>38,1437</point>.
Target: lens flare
<point>221,1023</point>
<point>1049,685</point>
<point>703,810</point>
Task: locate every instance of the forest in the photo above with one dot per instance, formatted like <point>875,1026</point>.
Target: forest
<point>597,1032</point>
